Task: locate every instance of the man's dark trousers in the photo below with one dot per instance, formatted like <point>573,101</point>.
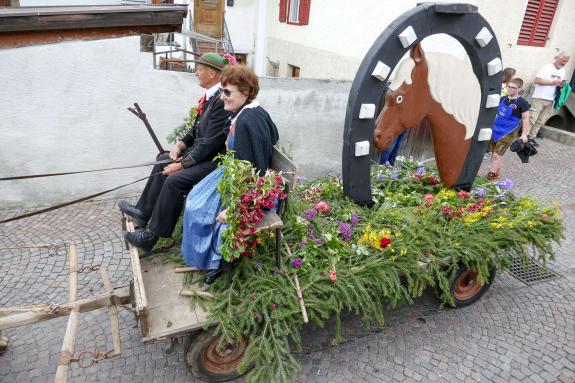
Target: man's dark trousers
<point>163,200</point>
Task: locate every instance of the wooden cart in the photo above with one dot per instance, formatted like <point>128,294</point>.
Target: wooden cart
<point>162,305</point>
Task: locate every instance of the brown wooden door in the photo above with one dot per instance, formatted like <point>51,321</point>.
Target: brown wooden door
<point>209,17</point>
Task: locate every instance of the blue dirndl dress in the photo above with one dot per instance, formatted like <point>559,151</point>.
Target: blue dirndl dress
<point>202,234</point>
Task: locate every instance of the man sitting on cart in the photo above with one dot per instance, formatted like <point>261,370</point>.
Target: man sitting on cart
<point>161,203</point>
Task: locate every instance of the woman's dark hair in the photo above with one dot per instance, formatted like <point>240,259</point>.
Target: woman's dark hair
<point>243,77</point>
<point>507,75</point>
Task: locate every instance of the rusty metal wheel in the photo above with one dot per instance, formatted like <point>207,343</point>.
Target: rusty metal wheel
<point>205,360</point>
<point>466,288</point>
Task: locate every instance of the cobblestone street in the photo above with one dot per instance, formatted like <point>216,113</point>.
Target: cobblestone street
<point>515,333</point>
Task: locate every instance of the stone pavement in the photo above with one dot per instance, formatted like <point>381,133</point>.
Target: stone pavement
<point>515,333</point>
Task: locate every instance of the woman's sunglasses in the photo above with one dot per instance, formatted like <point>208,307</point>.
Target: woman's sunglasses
<point>227,92</point>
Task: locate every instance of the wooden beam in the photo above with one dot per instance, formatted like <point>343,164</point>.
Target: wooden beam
<point>84,305</point>
<point>138,282</point>
<point>73,320</point>
<point>26,38</point>
<point>67,347</point>
<point>112,313</point>
<point>185,269</point>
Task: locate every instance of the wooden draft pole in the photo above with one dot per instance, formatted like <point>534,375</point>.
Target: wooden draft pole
<point>113,314</point>
<point>73,320</point>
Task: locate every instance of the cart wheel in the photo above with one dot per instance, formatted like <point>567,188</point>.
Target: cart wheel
<point>205,361</point>
<point>466,288</point>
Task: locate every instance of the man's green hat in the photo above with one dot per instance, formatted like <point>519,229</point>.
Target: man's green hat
<point>212,60</point>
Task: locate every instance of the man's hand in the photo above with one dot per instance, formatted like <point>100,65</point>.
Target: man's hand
<point>524,138</point>
<point>172,168</point>
<point>175,153</point>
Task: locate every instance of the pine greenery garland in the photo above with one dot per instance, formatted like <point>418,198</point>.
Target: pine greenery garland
<point>365,260</point>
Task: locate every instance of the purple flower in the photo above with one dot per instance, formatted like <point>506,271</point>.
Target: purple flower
<point>354,219</point>
<point>341,178</point>
<point>479,191</point>
<point>505,184</point>
<point>394,176</point>
<point>296,263</point>
<point>380,177</point>
<point>420,171</point>
<point>300,180</point>
<point>387,164</point>
<point>344,230</point>
<point>309,214</point>
<point>502,196</point>
<point>311,235</point>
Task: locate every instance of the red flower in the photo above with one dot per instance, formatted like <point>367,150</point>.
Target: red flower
<point>432,180</point>
<point>332,276</point>
<point>384,242</point>
<point>322,206</point>
<point>252,297</point>
<point>447,211</point>
<point>274,306</point>
<point>428,198</point>
<point>464,195</point>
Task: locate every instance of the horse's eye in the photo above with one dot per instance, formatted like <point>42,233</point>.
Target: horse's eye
<point>399,99</point>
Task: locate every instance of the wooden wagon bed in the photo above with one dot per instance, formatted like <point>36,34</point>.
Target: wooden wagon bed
<point>161,310</point>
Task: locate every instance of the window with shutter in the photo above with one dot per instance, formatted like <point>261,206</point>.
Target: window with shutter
<point>283,11</point>
<point>295,12</point>
<point>537,22</point>
<point>293,15</point>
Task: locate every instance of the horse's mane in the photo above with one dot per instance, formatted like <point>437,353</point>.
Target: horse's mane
<point>452,83</point>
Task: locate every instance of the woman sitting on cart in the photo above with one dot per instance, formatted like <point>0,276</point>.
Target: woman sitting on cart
<point>252,134</point>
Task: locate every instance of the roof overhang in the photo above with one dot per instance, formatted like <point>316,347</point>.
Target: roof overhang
<point>21,26</point>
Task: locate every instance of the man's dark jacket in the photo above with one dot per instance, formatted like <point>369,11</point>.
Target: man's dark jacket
<point>207,137</point>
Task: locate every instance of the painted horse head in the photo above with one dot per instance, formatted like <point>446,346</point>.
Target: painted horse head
<point>441,89</point>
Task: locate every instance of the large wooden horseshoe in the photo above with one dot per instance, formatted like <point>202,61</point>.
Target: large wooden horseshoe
<point>466,25</point>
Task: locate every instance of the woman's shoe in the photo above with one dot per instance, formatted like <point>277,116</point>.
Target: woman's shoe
<point>212,275</point>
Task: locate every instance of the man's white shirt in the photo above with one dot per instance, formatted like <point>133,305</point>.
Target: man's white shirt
<point>548,72</point>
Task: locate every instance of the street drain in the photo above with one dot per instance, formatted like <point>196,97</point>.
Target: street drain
<point>531,272</point>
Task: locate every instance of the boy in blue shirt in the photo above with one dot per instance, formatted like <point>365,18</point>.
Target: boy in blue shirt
<point>512,120</point>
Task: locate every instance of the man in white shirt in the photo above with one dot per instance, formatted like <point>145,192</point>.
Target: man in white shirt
<point>548,78</point>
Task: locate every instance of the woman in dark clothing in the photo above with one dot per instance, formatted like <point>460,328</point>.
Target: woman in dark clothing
<point>252,135</point>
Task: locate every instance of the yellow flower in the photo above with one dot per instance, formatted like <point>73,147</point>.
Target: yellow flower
<point>445,194</point>
<point>385,233</point>
<point>530,223</point>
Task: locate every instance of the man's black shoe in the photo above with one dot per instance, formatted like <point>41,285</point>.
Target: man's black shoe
<point>212,275</point>
<point>539,134</point>
<point>137,216</point>
<point>533,142</point>
<point>144,240</point>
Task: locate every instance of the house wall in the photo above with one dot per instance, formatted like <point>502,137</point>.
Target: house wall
<point>64,108</point>
<point>339,35</point>
<point>241,23</point>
